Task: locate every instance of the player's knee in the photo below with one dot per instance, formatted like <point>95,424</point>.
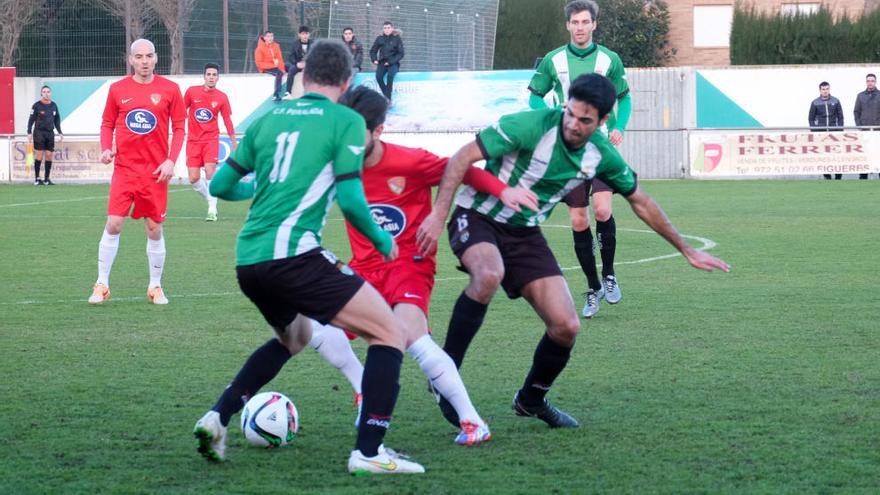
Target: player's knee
<point>114,226</point>
<point>603,213</point>
<point>565,330</point>
<point>580,219</point>
<point>487,279</point>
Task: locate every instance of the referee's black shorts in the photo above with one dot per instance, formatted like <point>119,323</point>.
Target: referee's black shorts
<point>44,140</point>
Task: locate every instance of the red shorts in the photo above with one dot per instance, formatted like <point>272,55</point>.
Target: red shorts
<point>198,154</point>
<point>403,281</point>
<point>150,199</point>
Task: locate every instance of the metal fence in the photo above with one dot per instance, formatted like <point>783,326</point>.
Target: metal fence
<point>90,37</point>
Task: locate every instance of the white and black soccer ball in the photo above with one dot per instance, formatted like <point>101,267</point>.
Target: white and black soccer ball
<point>269,420</point>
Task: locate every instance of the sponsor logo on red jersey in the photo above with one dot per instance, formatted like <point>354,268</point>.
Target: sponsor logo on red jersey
<point>140,121</point>
<point>203,115</point>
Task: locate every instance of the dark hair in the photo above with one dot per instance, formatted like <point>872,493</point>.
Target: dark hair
<point>304,29</point>
<point>370,104</point>
<point>328,63</point>
<point>871,75</point>
<point>578,6</point>
<point>387,23</point>
<point>347,28</point>
<point>268,31</point>
<point>211,65</point>
<point>823,84</point>
<point>595,90</point>
<point>45,87</point>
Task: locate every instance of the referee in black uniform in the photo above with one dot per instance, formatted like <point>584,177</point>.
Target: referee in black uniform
<point>44,119</point>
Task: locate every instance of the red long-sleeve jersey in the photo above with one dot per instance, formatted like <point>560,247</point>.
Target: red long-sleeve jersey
<point>139,115</point>
<point>203,107</point>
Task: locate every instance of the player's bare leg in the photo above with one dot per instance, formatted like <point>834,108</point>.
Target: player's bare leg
<point>551,299</point>
<point>367,315</point>
<point>202,186</point>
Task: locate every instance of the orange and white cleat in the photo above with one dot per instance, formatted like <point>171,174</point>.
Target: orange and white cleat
<point>100,293</point>
<point>156,295</point>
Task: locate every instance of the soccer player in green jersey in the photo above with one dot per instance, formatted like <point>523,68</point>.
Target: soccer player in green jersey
<point>304,153</point>
<point>557,69</point>
<point>550,152</point>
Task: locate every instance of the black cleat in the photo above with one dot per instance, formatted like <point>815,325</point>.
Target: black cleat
<point>38,182</point>
<point>449,412</point>
<point>546,412</point>
<point>48,182</point>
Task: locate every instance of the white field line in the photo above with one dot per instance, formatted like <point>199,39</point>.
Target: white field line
<point>707,244</point>
<point>71,200</point>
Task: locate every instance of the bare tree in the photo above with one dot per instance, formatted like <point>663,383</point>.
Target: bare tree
<point>15,16</point>
<point>312,14</point>
<point>176,15</point>
<point>139,13</point>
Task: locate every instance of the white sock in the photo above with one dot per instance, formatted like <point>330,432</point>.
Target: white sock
<point>106,254</point>
<point>212,200</point>
<point>156,257</point>
<point>334,346</point>
<point>441,370</point>
<point>201,187</point>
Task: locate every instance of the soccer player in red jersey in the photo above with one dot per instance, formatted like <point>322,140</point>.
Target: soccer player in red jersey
<point>397,182</point>
<point>138,111</point>
<point>203,104</point>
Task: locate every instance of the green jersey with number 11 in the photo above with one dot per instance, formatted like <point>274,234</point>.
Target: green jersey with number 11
<point>526,149</point>
<point>297,153</point>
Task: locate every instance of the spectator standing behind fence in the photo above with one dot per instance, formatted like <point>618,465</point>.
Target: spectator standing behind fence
<point>386,54</point>
<point>44,119</point>
<point>268,58</point>
<point>356,47</point>
<point>826,114</point>
<point>297,56</point>
<point>867,109</point>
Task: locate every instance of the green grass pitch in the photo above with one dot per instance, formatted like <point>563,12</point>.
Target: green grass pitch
<point>763,380</point>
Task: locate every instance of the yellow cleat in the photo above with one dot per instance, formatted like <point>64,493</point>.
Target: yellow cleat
<point>156,295</point>
<point>100,293</point>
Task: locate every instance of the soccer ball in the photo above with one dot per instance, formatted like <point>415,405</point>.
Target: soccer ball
<point>269,420</point>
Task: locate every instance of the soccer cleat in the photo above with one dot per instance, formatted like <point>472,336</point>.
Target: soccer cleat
<point>446,408</point>
<point>546,412</point>
<point>386,461</point>
<point>359,402</point>
<point>612,290</point>
<point>38,182</point>
<point>48,182</point>
<point>591,306</point>
<point>100,293</point>
<point>211,437</point>
<point>276,98</point>
<point>473,434</point>
<point>156,295</point>
<point>212,216</point>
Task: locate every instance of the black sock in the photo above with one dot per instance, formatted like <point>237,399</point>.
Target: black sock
<point>606,234</point>
<point>37,164</point>
<point>467,318</point>
<point>48,168</point>
<point>259,370</point>
<point>549,361</point>
<point>583,248</point>
<point>380,388</point>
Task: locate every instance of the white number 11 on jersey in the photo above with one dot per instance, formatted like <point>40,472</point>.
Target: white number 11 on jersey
<point>286,143</point>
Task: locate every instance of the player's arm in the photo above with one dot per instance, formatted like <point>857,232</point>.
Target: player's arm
<point>512,197</point>
<point>108,122</point>
<point>177,114</point>
<point>651,213</point>
<point>227,183</point>
<point>32,119</point>
<point>226,113</point>
<point>541,83</point>
<point>57,120</point>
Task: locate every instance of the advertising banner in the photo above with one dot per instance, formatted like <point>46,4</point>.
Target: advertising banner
<point>72,160</point>
<point>730,154</point>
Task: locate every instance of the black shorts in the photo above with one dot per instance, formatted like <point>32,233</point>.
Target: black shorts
<point>579,197</point>
<point>44,140</point>
<point>525,252</point>
<point>314,283</point>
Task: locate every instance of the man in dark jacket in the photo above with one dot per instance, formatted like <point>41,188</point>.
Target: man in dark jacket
<point>386,54</point>
<point>297,55</point>
<point>356,47</point>
<point>867,110</point>
<point>826,114</point>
